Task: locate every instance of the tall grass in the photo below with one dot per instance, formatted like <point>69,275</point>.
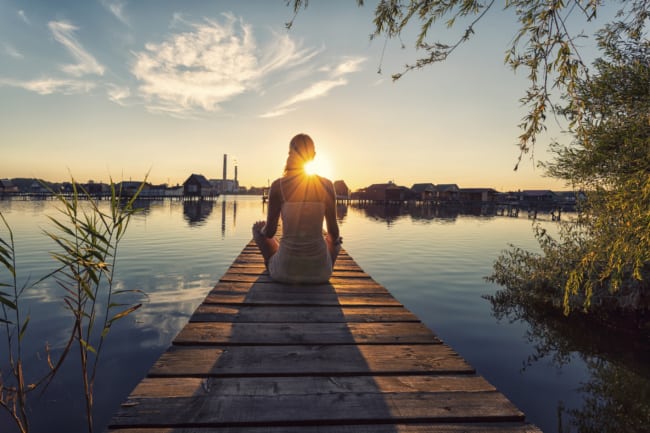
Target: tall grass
<point>87,240</point>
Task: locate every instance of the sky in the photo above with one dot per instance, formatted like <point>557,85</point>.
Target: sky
<point>123,89</point>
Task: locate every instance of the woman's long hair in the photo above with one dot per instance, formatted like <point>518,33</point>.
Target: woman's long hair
<point>301,151</point>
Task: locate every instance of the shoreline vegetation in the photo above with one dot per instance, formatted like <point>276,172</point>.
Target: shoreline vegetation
<point>86,241</point>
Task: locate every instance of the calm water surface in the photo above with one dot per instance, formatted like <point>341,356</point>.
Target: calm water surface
<point>433,262</point>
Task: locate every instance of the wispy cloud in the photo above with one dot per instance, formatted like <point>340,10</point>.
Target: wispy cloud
<point>209,65</point>
<point>23,16</point>
<point>118,94</point>
<point>63,32</point>
<point>116,7</point>
<point>11,51</point>
<point>320,88</point>
<point>47,86</point>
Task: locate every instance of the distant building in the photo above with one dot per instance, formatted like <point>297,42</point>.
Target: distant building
<point>447,192</point>
<point>383,192</point>
<point>225,186</point>
<point>341,189</point>
<point>537,196</point>
<point>129,188</point>
<point>7,187</point>
<point>198,186</point>
<point>37,188</point>
<point>483,195</point>
<point>423,191</point>
<point>96,188</point>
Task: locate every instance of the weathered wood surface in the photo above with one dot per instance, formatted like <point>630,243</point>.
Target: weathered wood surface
<point>263,357</point>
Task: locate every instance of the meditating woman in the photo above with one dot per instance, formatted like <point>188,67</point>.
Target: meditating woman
<point>304,254</point>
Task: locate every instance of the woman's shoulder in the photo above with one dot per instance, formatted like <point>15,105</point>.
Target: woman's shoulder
<point>276,183</point>
<point>324,180</point>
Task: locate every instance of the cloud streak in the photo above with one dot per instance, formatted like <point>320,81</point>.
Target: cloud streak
<point>11,51</point>
<point>47,86</point>
<point>63,33</point>
<point>23,16</point>
<point>320,88</point>
<point>117,9</point>
<point>209,65</point>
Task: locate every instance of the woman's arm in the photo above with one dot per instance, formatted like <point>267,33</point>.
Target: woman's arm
<point>330,212</point>
<point>273,212</point>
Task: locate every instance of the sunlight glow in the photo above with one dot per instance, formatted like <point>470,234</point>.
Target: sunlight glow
<point>319,166</point>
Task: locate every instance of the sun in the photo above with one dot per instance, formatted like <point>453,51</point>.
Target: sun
<point>320,166</point>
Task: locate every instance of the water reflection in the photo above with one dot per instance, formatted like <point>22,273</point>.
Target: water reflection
<point>341,211</point>
<point>390,213</point>
<point>616,394</point>
<point>224,212</point>
<point>196,212</point>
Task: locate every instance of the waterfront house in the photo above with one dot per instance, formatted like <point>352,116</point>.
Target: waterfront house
<point>447,192</point>
<point>537,196</point>
<point>197,186</point>
<point>342,190</point>
<point>569,199</point>
<point>129,188</point>
<point>483,195</point>
<point>7,187</point>
<point>155,191</point>
<point>423,191</point>
<point>95,188</point>
<point>383,192</point>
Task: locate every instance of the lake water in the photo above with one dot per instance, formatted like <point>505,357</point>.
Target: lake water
<point>433,261</point>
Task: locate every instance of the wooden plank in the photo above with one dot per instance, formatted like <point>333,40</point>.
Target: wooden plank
<point>305,333</point>
<point>273,288</point>
<point>233,275</point>
<point>255,257</point>
<point>295,314</point>
<point>165,387</point>
<point>305,299</point>
<point>183,361</point>
<point>323,409</point>
<point>343,265</point>
<point>356,428</point>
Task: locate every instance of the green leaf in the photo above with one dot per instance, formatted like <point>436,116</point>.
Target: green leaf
<point>88,347</point>
<point>125,313</point>
<point>8,303</point>
<point>23,329</point>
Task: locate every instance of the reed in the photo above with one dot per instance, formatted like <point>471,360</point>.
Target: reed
<point>87,240</point>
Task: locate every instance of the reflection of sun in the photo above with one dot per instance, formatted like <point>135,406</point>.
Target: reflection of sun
<point>319,166</point>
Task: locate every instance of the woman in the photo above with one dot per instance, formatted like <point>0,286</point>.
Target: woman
<point>305,254</point>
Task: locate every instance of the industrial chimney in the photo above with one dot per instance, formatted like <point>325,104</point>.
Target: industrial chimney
<point>225,166</point>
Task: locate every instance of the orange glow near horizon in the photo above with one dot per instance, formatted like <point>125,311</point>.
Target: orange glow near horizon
<point>320,166</point>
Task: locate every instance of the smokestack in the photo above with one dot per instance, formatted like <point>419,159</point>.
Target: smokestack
<point>225,166</point>
<point>235,173</point>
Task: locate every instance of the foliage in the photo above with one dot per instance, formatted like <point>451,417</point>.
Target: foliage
<point>610,159</point>
<point>544,44</point>
<point>88,240</point>
<point>603,262</point>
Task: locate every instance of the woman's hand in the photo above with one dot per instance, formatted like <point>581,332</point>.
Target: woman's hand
<point>259,227</point>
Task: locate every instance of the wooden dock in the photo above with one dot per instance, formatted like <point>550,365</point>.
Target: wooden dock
<point>346,357</point>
